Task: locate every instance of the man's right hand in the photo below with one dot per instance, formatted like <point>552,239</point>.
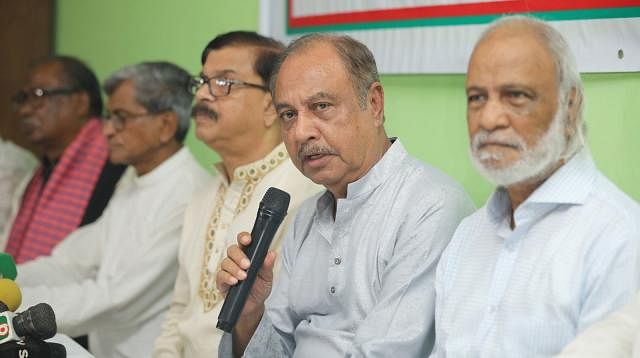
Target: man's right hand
<point>234,269</point>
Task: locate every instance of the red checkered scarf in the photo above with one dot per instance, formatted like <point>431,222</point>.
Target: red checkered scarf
<point>48,214</point>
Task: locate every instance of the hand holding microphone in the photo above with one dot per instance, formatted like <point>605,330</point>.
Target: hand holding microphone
<point>244,264</point>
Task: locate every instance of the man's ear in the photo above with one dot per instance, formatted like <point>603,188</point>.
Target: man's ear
<point>573,104</point>
<point>376,101</point>
<point>269,111</point>
<point>169,126</point>
<point>82,104</point>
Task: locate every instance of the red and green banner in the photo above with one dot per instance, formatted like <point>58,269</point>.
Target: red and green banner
<point>454,13</point>
<point>436,36</point>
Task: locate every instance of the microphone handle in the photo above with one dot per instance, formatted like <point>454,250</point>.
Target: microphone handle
<point>264,229</point>
<point>32,348</point>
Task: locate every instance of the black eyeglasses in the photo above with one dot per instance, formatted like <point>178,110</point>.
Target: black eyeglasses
<point>119,118</point>
<point>218,87</point>
<point>35,96</point>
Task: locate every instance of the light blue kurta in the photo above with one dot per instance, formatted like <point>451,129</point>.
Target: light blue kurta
<point>363,284</point>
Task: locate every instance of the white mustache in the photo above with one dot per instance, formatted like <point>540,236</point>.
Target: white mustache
<point>307,150</point>
<point>485,137</point>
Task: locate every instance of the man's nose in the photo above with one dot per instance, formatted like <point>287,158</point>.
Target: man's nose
<point>493,115</point>
<point>305,128</point>
<point>107,128</point>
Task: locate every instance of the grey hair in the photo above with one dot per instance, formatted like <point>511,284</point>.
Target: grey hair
<point>160,87</point>
<point>357,59</point>
<point>566,68</point>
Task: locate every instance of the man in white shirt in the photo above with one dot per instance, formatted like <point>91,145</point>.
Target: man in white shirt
<point>555,248</point>
<point>358,261</point>
<point>234,116</point>
<point>112,279</point>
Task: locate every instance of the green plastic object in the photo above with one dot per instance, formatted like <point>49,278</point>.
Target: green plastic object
<point>7,266</point>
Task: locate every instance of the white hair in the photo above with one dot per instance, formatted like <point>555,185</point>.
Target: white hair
<point>566,70</point>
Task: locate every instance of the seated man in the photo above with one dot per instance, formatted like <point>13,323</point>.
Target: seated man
<point>58,111</point>
<point>113,279</point>
<point>556,246</point>
<point>358,261</point>
<point>235,117</point>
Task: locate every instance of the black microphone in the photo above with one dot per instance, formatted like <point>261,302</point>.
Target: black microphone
<point>271,212</point>
<point>32,348</point>
<point>37,322</point>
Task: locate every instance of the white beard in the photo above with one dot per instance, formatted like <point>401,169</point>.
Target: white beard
<point>534,163</point>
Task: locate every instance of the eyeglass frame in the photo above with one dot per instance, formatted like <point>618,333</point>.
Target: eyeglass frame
<point>119,122</point>
<point>25,96</point>
<point>196,82</point>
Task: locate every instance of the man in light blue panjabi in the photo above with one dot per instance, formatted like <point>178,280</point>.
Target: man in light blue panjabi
<point>556,246</point>
<point>358,261</point>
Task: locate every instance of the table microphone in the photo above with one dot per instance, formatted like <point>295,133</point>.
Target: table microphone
<point>32,348</point>
<point>10,296</point>
<point>271,212</point>
<point>7,266</point>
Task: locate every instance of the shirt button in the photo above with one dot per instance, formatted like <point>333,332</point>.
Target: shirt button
<point>492,309</point>
<point>337,261</point>
<point>332,290</point>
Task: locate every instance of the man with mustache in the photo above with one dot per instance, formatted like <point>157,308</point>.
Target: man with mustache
<point>556,246</point>
<point>58,111</point>
<point>234,116</point>
<point>358,261</point>
<point>113,279</point>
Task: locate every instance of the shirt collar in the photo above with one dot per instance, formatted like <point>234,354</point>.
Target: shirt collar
<point>258,169</point>
<point>165,169</point>
<point>570,184</point>
<point>380,172</point>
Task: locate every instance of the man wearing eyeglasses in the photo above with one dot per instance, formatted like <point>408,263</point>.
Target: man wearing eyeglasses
<point>58,112</point>
<point>234,116</point>
<point>113,279</point>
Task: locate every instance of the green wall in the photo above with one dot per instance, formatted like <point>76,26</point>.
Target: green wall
<point>426,111</point>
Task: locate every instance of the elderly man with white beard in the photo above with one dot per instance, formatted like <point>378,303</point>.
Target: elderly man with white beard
<point>555,248</point>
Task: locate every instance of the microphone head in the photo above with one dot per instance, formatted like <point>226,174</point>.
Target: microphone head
<point>10,294</point>
<point>7,266</point>
<point>37,322</point>
<point>276,200</point>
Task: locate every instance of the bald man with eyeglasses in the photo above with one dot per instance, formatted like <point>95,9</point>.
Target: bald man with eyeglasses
<point>58,111</point>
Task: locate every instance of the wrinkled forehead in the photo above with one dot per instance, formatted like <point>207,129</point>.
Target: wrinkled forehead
<point>308,72</point>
